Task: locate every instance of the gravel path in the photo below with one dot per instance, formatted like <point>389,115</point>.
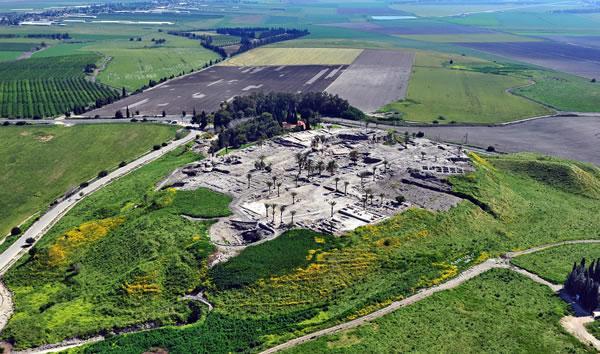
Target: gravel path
<point>453,283</point>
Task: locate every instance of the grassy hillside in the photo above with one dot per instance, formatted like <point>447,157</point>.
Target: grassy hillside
<point>498,312</point>
<point>555,264</point>
<point>40,163</point>
<point>374,265</point>
<point>437,91</point>
<point>122,256</point>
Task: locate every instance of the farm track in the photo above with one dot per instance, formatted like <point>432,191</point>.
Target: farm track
<point>573,325</point>
<point>578,330</point>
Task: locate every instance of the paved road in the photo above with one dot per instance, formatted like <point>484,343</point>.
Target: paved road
<point>576,138</point>
<point>46,221</point>
<point>178,119</point>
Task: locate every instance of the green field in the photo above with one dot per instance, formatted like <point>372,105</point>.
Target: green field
<point>43,87</point>
<point>555,264</point>
<point>437,89</point>
<point>498,312</point>
<point>468,38</point>
<point>41,163</point>
<point>134,63</point>
<point>78,280</point>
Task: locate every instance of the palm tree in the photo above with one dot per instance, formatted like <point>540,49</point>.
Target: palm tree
<point>281,210</point>
<point>332,203</point>
<point>354,156</point>
<point>300,161</point>
<point>297,178</point>
<point>249,177</point>
<point>371,196</point>
<point>278,186</point>
<point>320,166</point>
<point>381,195</point>
<point>274,206</point>
<point>374,172</point>
<point>274,178</point>
<point>269,184</point>
<point>267,206</point>
<point>337,180</point>
<point>346,184</point>
<point>309,167</point>
<point>385,165</point>
<point>292,213</point>
<point>364,200</point>
<point>367,192</point>
<point>331,167</point>
<point>294,194</point>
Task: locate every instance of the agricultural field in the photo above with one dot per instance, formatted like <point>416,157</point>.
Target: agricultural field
<point>294,56</point>
<point>41,163</point>
<point>48,86</point>
<point>555,264</point>
<point>207,89</point>
<point>499,311</point>
<point>382,262</point>
<point>374,79</point>
<point>441,92</point>
<point>133,64</point>
<point>577,60</point>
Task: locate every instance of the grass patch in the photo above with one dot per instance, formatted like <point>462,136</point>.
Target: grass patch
<point>40,163</point>
<point>134,63</point>
<point>122,256</point>
<point>556,263</point>
<point>468,38</point>
<point>499,311</point>
<point>294,56</point>
<point>202,203</point>
<point>440,89</point>
<point>291,250</point>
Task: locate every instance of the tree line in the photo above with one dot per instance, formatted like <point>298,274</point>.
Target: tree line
<point>286,107</point>
<point>583,284</point>
<point>249,37</point>
<point>267,114</point>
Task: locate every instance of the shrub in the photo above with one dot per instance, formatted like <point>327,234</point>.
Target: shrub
<point>83,184</point>
<point>103,173</point>
<point>123,164</point>
<point>164,144</point>
<point>156,147</point>
<point>30,240</point>
<point>420,135</point>
<point>490,149</point>
<point>15,231</point>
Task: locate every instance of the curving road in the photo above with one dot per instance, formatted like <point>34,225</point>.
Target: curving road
<point>579,330</point>
<point>46,221</point>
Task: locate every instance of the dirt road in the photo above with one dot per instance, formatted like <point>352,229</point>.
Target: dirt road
<point>453,283</point>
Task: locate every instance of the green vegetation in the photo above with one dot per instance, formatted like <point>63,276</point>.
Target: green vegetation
<point>293,249</point>
<point>556,263</point>
<point>48,87</point>
<point>499,311</point>
<point>40,163</point>
<point>122,256</point>
<point>133,64</point>
<point>562,91</point>
<point>445,93</point>
<point>374,265</point>
<point>202,203</point>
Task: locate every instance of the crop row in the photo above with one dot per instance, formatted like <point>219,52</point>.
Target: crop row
<point>49,97</point>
